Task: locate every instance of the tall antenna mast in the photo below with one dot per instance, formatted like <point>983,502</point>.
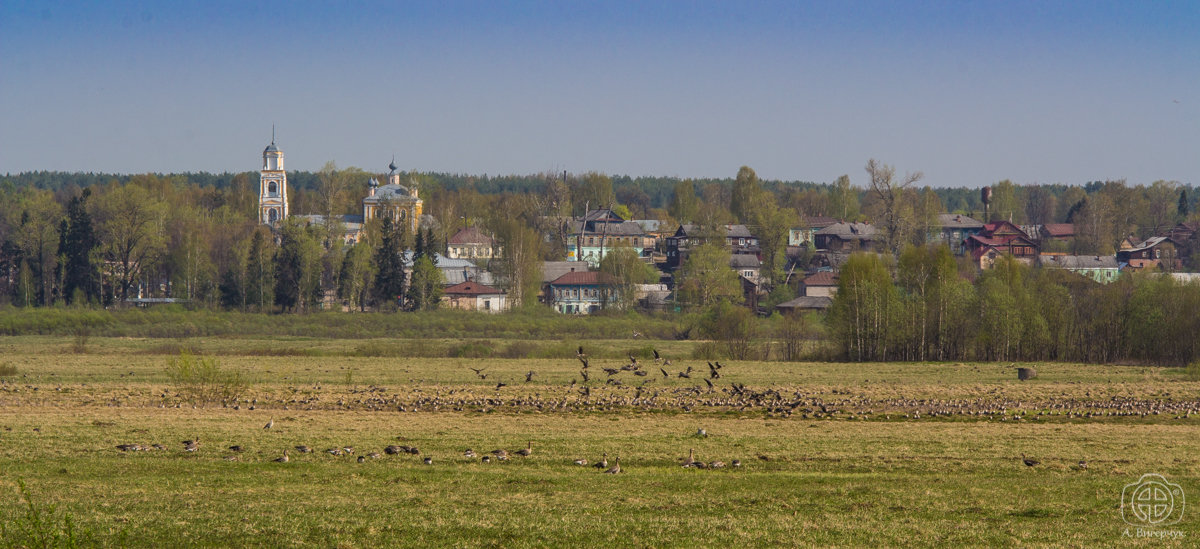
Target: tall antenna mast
<point>272,133</point>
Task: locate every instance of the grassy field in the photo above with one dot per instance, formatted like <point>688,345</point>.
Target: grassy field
<point>832,454</point>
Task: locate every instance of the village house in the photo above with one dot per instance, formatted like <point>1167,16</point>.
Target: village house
<point>473,296</point>
<point>470,243</point>
<point>846,237</point>
<point>600,231</point>
<point>804,234</point>
<point>1101,268</point>
<point>952,229</point>
<point>582,292</point>
<point>998,238</point>
<point>737,238</point>
<point>1155,252</point>
<point>820,284</point>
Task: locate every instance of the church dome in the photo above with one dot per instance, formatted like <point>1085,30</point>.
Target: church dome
<point>271,148</point>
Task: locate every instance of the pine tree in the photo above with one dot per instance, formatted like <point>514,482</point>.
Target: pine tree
<point>232,295</point>
<point>1183,209</point>
<point>389,265</point>
<point>80,277</point>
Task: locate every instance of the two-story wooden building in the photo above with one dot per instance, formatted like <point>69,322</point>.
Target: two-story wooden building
<point>998,238</point>
<point>738,239</point>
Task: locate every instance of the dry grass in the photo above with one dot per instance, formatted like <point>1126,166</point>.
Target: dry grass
<point>880,479</point>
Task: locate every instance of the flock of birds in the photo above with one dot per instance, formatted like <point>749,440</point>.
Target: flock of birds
<point>500,454</point>
<point>633,366</point>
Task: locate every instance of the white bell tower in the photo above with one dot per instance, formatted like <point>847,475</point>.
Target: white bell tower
<point>272,195</point>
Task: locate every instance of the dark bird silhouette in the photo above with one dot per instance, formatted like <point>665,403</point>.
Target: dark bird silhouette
<point>710,385</point>
<point>603,463</point>
<point>283,459</point>
<point>269,424</point>
<point>303,449</point>
<point>611,371</point>
<point>529,376</point>
<point>479,372</point>
<point>526,451</point>
<point>500,384</point>
<point>664,372</point>
<point>236,448</point>
<point>584,360</point>
<point>657,357</point>
<point>1029,462</point>
<point>686,375</point>
<point>616,468</point>
<point>584,374</point>
<point>580,352</point>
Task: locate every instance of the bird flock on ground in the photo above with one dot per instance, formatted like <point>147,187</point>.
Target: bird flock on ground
<point>736,395</point>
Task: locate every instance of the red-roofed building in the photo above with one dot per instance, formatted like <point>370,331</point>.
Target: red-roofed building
<point>473,296</point>
<point>998,238</point>
<point>582,293</point>
<point>1064,232</point>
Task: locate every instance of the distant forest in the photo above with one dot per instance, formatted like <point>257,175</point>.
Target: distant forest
<point>650,192</point>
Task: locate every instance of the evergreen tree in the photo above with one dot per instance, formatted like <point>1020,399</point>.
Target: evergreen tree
<point>289,267</point>
<point>1182,208</point>
<point>232,295</point>
<point>80,277</point>
<point>425,288</point>
<point>389,265</point>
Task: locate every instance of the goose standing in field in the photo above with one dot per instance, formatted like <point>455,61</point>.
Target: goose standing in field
<point>737,463</point>
<point>236,448</point>
<point>469,453</point>
<point>500,454</point>
<point>362,459</point>
<point>269,424</point>
<point>529,376</point>
<point>616,468</point>
<point>527,450</point>
<point>486,459</point>
<point>1029,462</point>
<point>428,460</point>
<point>581,462</point>
<point>303,449</point>
<point>716,465</point>
<point>191,445</point>
<point>1083,464</point>
<point>603,463</point>
<point>691,459</point>
<point>284,458</point>
<point>392,450</point>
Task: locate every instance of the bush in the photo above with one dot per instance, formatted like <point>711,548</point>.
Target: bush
<point>7,369</point>
<point>41,526</point>
<point>1193,371</point>
<point>201,380</point>
<point>472,349</point>
<point>707,350</point>
<point>519,349</point>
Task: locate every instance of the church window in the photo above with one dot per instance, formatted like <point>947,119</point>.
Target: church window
<point>272,188</point>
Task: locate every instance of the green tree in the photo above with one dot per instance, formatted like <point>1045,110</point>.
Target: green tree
<point>862,317</point>
<point>260,270</point>
<point>628,269</point>
<point>596,192</point>
<point>843,200</point>
<point>684,205</point>
<point>705,278</point>
<point>771,224</point>
<point>357,274</point>
<point>130,220</point>
<point>746,195</point>
<point>425,287</point>
<point>38,238</point>
<point>389,265</point>
<point>519,268</point>
<point>1182,208</point>
<point>733,326</point>
<point>78,240</point>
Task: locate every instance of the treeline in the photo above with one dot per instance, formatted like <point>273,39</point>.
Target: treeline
<point>920,308</point>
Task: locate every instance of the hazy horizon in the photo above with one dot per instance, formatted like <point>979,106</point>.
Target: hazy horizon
<point>968,93</point>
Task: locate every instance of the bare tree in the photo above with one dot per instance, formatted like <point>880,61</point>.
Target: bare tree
<point>889,190</point>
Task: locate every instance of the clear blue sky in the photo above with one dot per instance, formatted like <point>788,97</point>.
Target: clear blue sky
<point>968,92</point>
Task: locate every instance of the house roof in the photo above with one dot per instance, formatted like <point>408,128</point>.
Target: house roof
<point>731,231</point>
<point>1079,261</point>
<point>470,235</point>
<point>1002,227</point>
<point>807,303</point>
<point>551,270</point>
<point>587,278</point>
<point>624,228</point>
<point>444,263</point>
<point>744,261</point>
<point>958,221</point>
<point>1059,230</point>
<point>823,278</point>
<point>603,215</point>
<point>850,231</point>
<point>818,221</point>
<point>471,288</point>
<point>1151,243</point>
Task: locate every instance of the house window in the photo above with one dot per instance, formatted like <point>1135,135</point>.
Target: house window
<point>487,305</point>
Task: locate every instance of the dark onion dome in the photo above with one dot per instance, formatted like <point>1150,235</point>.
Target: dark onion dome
<point>271,148</point>
<point>392,165</point>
